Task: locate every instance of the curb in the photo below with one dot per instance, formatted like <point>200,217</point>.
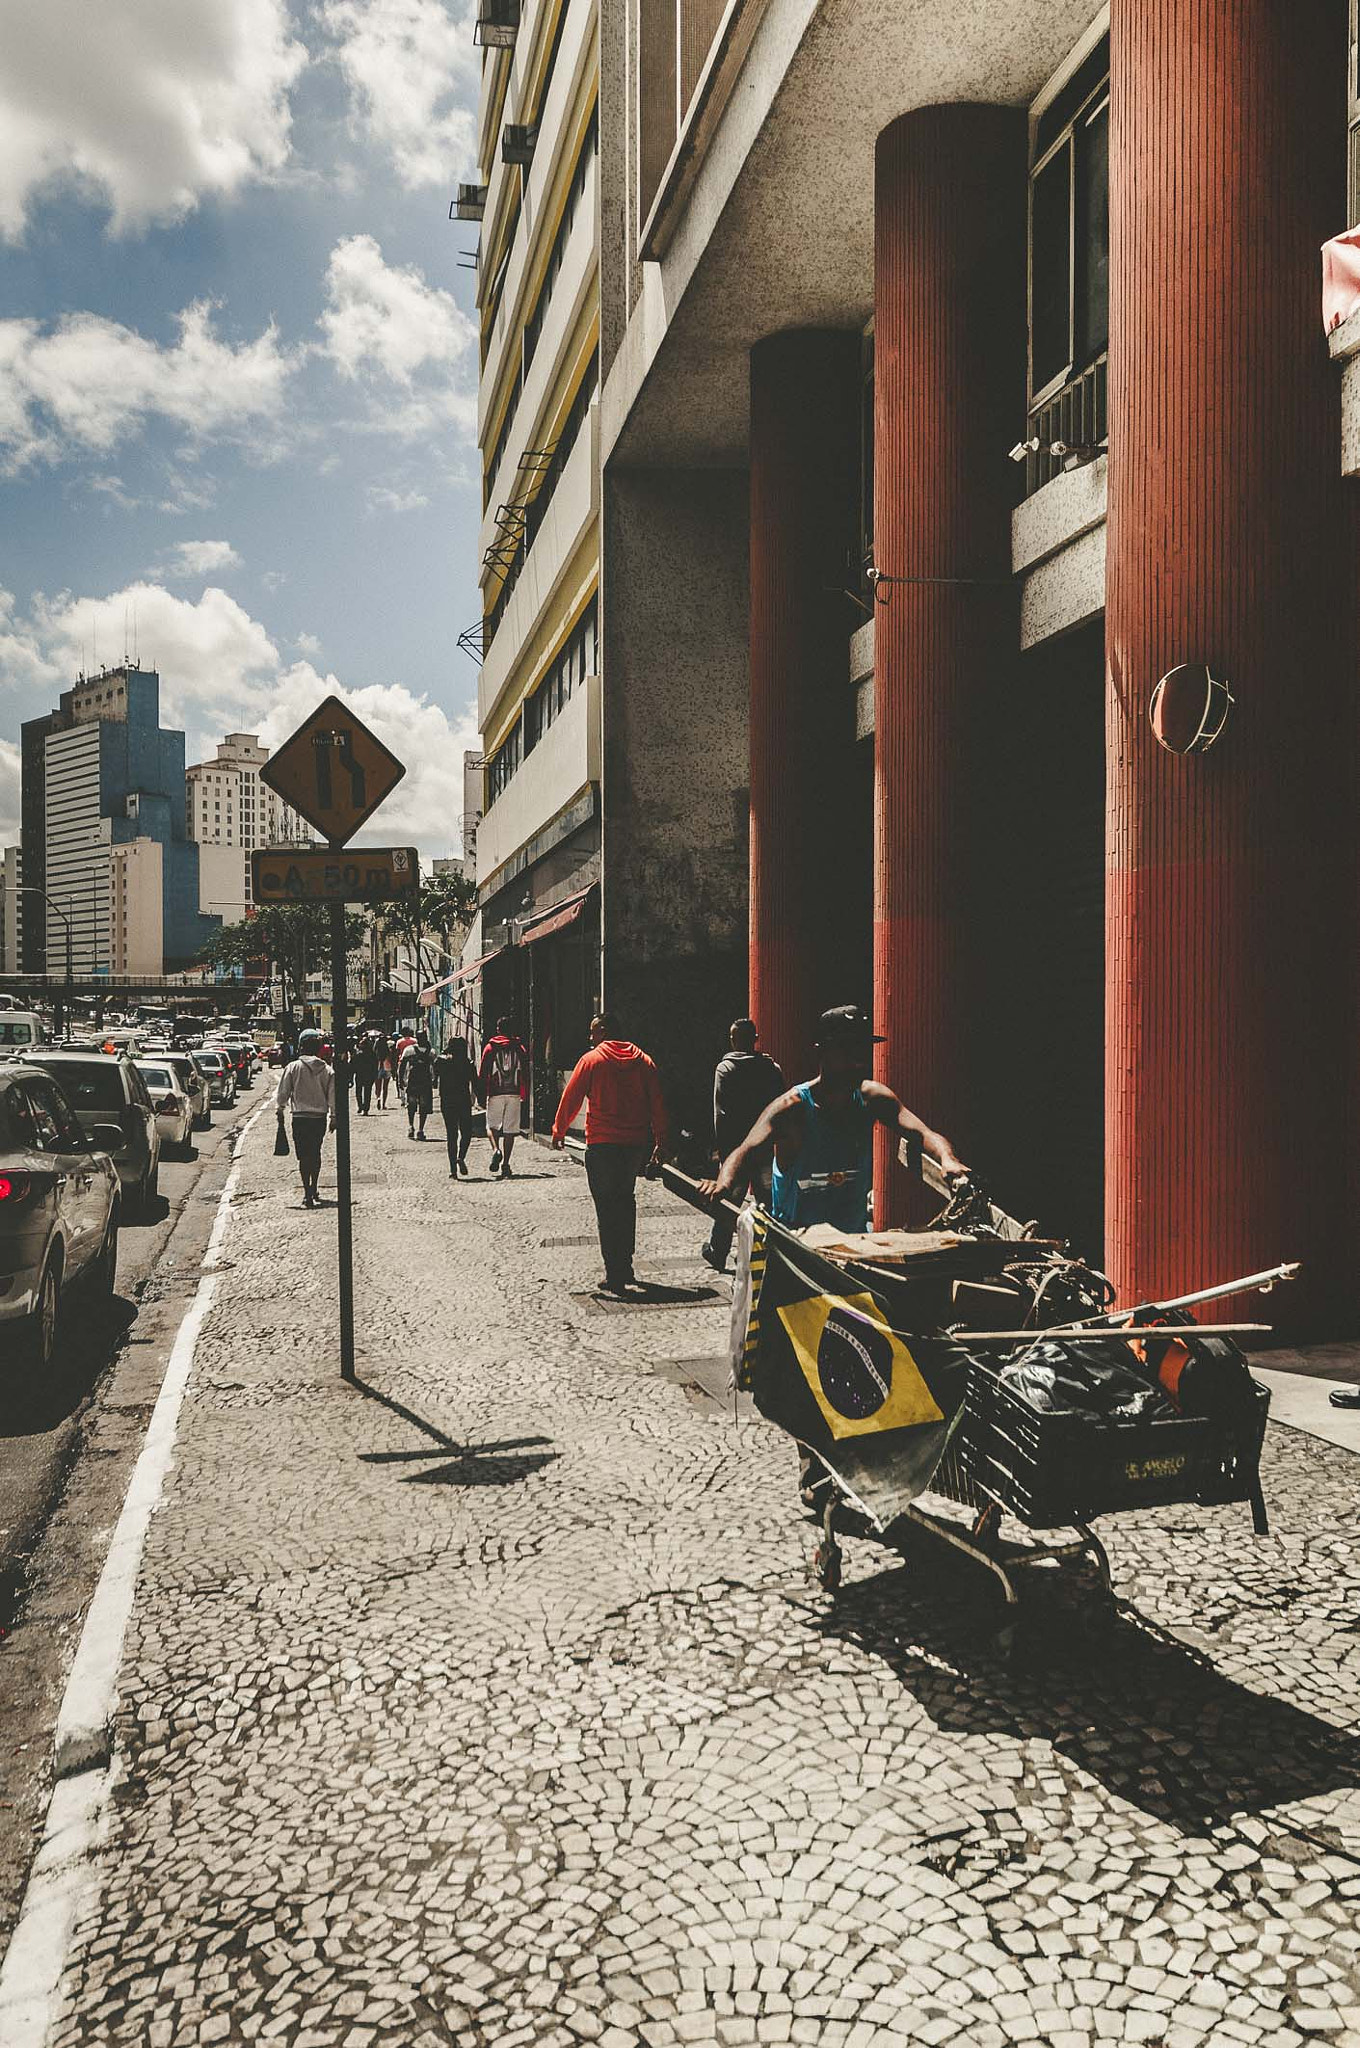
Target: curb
<point>63,1873</point>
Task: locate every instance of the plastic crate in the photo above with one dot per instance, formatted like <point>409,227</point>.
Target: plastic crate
<point>1051,1471</point>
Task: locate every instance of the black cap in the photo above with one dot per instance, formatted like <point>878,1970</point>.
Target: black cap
<point>845,1025</point>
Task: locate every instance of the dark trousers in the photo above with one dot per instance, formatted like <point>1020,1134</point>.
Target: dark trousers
<point>457,1117</point>
<point>724,1226</point>
<point>612,1172</point>
<point>417,1104</point>
<point>363,1091</point>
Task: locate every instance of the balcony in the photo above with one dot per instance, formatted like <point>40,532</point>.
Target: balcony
<point>1070,427</point>
<point>497,24</point>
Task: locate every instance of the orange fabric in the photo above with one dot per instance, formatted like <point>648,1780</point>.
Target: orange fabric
<point>622,1093</point>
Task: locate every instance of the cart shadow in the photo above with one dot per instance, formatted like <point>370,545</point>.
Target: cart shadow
<point>1150,1719</point>
<point>450,1463</point>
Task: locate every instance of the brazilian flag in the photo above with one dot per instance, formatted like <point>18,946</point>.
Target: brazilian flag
<point>823,1360</point>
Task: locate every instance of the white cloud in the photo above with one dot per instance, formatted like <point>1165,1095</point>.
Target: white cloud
<point>9,793</point>
<point>308,644</point>
<point>382,498</point>
<point>384,320</point>
<point>221,672</point>
<point>89,383</point>
<point>147,107</point>
<point>200,558</point>
<point>412,70</point>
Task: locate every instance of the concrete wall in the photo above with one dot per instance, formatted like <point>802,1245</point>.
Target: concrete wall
<point>563,764</point>
<point>675,785</point>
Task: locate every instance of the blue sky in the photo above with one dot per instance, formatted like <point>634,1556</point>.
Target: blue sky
<point>238,368</point>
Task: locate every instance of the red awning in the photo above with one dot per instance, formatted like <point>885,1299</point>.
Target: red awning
<point>474,967</point>
<point>558,918</point>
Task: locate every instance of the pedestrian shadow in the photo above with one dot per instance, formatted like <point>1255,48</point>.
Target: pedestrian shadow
<point>1131,1706</point>
<point>450,1463</point>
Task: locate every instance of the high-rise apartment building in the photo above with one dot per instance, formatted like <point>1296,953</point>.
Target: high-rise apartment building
<point>230,812</point>
<point>110,779</point>
<point>538,840</point>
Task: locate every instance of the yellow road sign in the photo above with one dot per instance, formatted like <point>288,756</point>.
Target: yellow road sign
<point>368,874</point>
<point>333,771</point>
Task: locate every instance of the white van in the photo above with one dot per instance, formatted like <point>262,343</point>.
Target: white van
<point>20,1029</point>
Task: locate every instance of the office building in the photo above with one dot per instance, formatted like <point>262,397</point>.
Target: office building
<point>537,839</point>
<point>111,779</point>
<point>11,910</point>
<point>229,812</point>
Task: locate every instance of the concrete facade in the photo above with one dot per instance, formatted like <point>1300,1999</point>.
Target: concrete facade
<point>11,909</point>
<point>229,810</point>
<point>1031,836</point>
<point>136,908</point>
<point>534,828</point>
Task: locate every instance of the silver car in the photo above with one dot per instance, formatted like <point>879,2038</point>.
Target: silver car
<point>174,1111</point>
<point>59,1210</point>
<point>105,1089</point>
<point>194,1082</point>
<point>221,1075</point>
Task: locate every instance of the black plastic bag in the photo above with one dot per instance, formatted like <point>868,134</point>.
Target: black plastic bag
<point>280,1141</point>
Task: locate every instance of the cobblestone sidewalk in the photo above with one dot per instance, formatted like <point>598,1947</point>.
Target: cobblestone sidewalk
<point>493,1704</point>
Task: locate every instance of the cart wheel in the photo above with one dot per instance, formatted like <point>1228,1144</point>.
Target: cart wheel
<point>826,1565</point>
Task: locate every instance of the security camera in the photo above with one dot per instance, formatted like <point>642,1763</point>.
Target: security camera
<point>1034,446</point>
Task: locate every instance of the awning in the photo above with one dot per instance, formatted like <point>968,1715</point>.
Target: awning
<point>558,918</point>
<point>428,996</point>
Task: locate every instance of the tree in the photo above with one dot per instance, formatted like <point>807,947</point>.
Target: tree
<point>290,940</point>
<point>441,907</point>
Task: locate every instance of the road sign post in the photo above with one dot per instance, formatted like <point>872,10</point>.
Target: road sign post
<point>344,1209</point>
<point>335,772</point>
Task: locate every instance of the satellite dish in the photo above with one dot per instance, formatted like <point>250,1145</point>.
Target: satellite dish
<point>1189,709</point>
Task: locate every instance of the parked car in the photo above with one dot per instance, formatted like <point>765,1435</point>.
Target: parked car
<point>195,1085</point>
<point>21,1028</point>
<point>238,1052</point>
<point>170,1101</point>
<point>277,1056</point>
<point>221,1075</point>
<point>59,1210</point>
<point>106,1089</point>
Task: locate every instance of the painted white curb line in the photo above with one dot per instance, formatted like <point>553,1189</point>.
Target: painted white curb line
<point>63,1870</point>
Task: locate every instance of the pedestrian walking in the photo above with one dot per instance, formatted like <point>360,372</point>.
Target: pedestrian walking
<point>625,1125</point>
<point>416,1074</point>
<point>382,1080</point>
<point>401,1044</point>
<point>307,1087</point>
<point>365,1064</point>
<point>503,1088</point>
<point>745,1082</point>
<point>455,1078</point>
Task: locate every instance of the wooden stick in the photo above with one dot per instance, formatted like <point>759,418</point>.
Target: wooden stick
<point>1182,1332</point>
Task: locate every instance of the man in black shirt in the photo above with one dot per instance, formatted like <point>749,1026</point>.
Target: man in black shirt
<point>744,1085</point>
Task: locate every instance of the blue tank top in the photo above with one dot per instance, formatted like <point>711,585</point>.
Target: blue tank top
<point>832,1178</point>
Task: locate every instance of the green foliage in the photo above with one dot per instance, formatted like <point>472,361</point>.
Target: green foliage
<point>291,940</point>
<point>442,908</point>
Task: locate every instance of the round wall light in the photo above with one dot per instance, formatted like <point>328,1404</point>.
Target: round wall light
<point>1189,709</point>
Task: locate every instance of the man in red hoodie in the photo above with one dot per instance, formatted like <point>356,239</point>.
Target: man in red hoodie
<point>625,1124</point>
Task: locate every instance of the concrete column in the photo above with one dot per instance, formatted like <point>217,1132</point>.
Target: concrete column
<point>807,899</point>
<point>1231,889</point>
<point>673,897</point>
<point>949,249</point>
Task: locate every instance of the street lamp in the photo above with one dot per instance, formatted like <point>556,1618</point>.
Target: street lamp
<point>31,889</point>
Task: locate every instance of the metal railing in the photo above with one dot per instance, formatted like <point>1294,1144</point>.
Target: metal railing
<point>1071,425</point>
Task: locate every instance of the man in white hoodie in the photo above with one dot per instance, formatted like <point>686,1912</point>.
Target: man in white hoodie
<point>307,1086</point>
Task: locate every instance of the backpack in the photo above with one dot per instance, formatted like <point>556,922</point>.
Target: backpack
<point>502,1075</point>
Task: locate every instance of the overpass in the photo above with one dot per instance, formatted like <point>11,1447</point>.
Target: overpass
<point>231,993</point>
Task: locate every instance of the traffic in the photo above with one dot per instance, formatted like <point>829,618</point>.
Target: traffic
<point>85,1121</point>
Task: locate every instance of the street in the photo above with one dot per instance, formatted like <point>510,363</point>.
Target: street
<point>491,1701</point>
<point>74,1440</point>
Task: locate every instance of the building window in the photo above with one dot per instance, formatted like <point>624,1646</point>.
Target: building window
<point>503,764</point>
<point>574,661</point>
<point>580,177</point>
<point>1069,263</point>
<point>523,517</point>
